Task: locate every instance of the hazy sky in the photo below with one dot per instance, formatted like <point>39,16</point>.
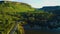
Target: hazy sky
<point>41,3</point>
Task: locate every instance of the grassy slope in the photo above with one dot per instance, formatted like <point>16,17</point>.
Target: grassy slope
<point>15,7</point>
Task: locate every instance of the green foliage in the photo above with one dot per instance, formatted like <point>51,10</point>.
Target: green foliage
<point>35,18</point>
<point>12,12</point>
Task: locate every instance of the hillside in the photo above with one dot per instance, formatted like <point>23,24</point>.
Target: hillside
<point>50,8</point>
<point>53,9</point>
<point>14,7</point>
<point>9,14</point>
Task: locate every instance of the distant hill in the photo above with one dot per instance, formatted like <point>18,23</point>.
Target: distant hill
<point>53,9</point>
<point>49,8</point>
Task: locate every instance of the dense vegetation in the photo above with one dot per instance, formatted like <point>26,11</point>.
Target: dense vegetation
<point>9,16</point>
<point>13,13</point>
<point>41,19</point>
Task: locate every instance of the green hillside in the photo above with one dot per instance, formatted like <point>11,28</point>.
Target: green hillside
<point>9,14</point>
<point>15,7</point>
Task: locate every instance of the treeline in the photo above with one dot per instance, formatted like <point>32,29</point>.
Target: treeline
<point>44,19</point>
